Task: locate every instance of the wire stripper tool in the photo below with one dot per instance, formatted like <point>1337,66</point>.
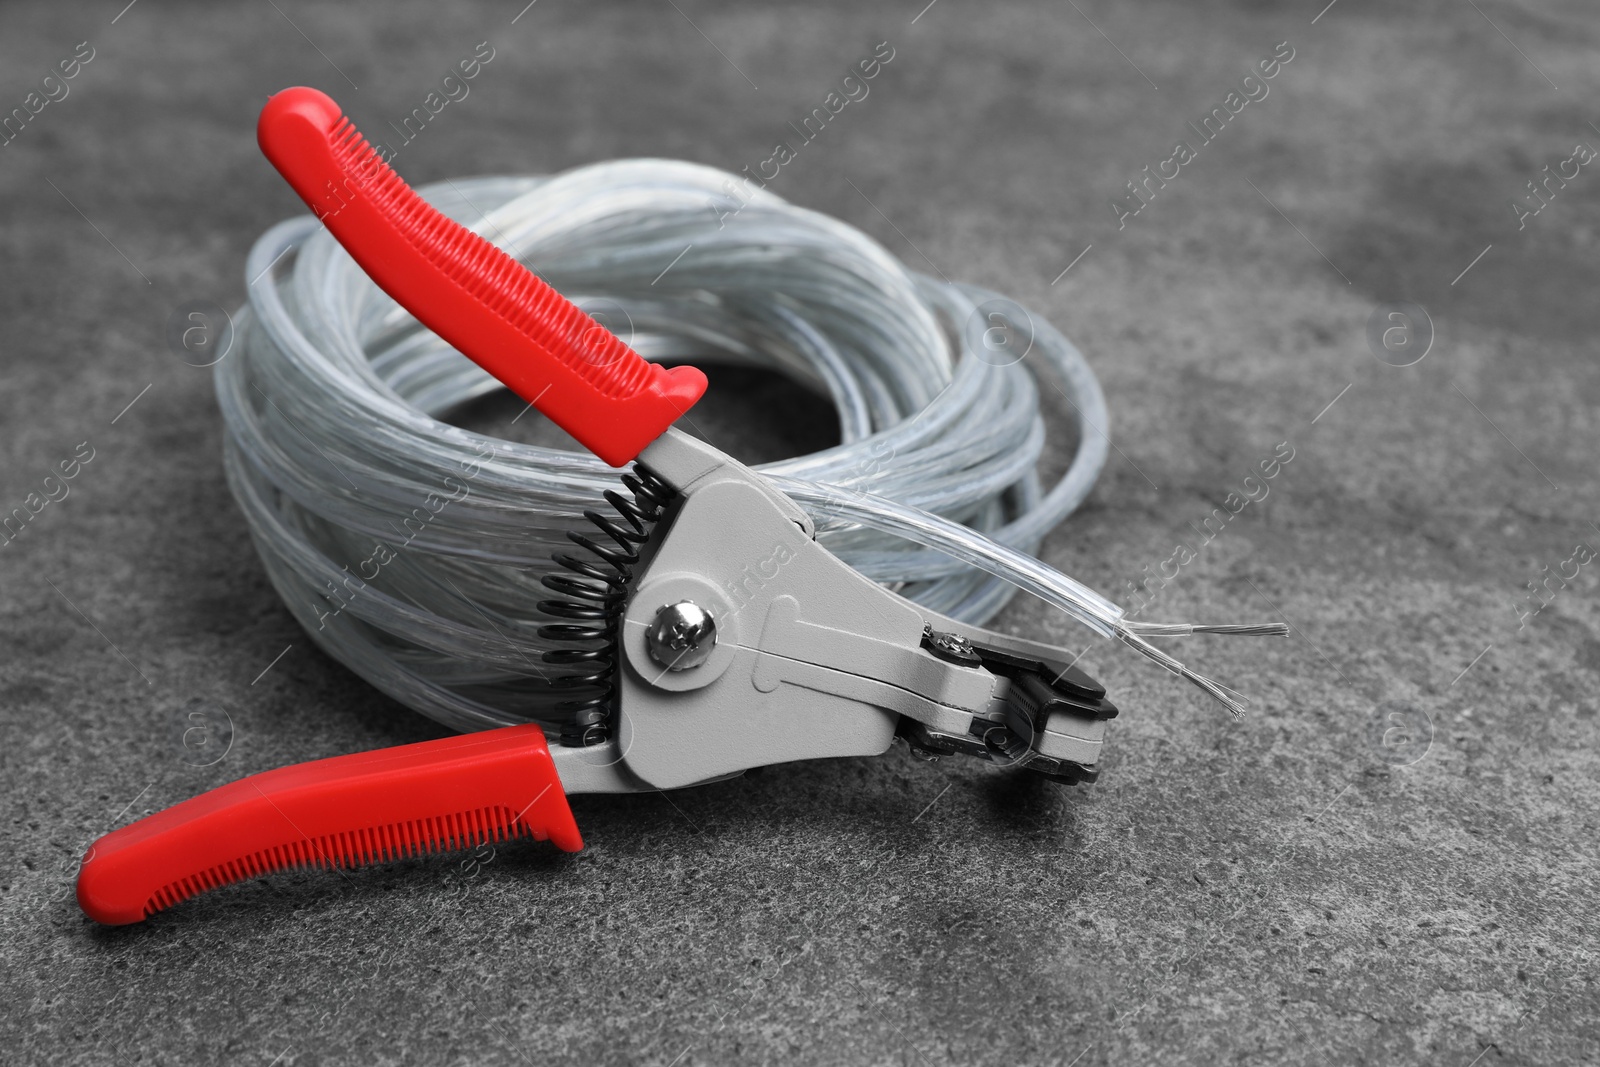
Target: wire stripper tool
<point>703,629</point>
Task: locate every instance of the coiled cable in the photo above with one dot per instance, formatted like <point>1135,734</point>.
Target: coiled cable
<point>413,550</point>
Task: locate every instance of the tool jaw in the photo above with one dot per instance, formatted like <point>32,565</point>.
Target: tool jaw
<point>1046,703</point>
<point>811,659</point>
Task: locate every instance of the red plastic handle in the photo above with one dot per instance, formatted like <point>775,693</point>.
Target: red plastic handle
<point>454,793</point>
<point>483,302</point>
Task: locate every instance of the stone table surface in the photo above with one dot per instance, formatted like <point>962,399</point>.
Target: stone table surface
<point>1391,859</point>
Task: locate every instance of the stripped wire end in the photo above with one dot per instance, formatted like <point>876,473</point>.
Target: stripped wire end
<point>1184,629</point>
<point>1133,634</point>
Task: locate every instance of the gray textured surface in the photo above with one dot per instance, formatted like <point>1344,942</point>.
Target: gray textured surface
<point>1267,892</point>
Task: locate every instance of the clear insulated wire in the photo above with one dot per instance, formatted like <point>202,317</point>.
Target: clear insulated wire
<point>412,550</point>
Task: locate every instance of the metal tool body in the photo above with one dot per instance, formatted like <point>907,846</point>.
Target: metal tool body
<point>810,659</point>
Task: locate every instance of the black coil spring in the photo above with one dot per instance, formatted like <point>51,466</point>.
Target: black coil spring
<point>592,597</point>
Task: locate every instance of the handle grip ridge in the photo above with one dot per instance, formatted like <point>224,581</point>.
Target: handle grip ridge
<point>482,301</point>
<point>370,807</point>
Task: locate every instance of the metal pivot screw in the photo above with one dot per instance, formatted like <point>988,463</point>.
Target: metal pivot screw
<point>952,648</point>
<point>682,636</point>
